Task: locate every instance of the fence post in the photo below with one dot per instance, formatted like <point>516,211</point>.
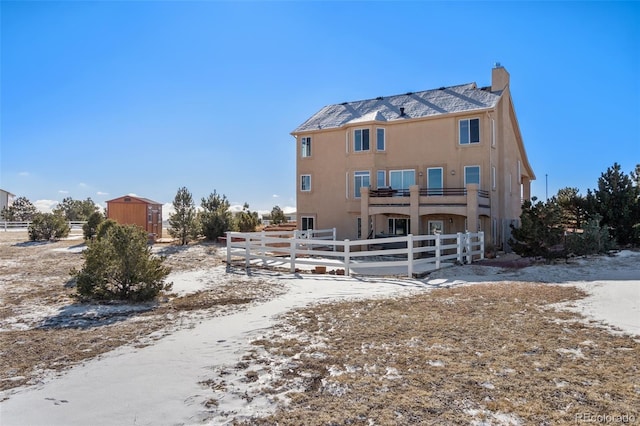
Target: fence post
<point>247,251</point>
<point>262,244</point>
<point>410,255</point>
<point>438,243</point>
<point>334,238</point>
<point>228,248</point>
<point>481,237</point>
<point>347,258</point>
<point>468,247</point>
<point>292,250</point>
<point>459,247</point>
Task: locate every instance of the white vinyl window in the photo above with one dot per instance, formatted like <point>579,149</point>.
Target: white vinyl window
<point>361,140</point>
<point>305,183</point>
<point>471,175</point>
<point>402,179</point>
<point>305,148</point>
<point>380,139</point>
<point>360,179</point>
<point>469,131</point>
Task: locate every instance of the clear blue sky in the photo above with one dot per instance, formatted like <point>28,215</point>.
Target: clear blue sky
<point>102,99</point>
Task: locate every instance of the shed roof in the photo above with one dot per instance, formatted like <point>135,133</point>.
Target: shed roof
<point>445,100</point>
<point>144,200</point>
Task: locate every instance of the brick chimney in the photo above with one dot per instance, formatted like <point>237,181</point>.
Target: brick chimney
<point>499,78</point>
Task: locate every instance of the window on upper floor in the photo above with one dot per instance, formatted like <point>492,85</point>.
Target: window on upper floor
<point>434,181</point>
<point>361,140</point>
<point>380,139</point>
<point>305,183</point>
<point>305,149</point>
<point>471,175</point>
<point>469,131</point>
<point>360,179</point>
<point>381,179</point>
<point>402,179</point>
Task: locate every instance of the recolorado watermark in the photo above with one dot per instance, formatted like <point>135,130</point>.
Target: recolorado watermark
<point>606,418</point>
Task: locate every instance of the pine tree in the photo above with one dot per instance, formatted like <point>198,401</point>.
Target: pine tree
<point>22,210</point>
<point>183,224</point>
<point>540,231</point>
<point>246,220</point>
<point>215,217</point>
<point>617,200</point>
<point>277,216</point>
<point>121,266</point>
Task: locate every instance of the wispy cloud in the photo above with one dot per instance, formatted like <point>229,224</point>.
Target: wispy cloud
<point>62,191</point>
<point>275,196</point>
<point>23,174</point>
<point>102,193</point>
<point>82,185</point>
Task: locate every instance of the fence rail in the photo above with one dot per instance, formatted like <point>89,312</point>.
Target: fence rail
<point>411,253</point>
<point>7,225</point>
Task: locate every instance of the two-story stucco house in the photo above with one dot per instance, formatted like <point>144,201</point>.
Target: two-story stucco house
<point>450,159</point>
<point>6,199</point>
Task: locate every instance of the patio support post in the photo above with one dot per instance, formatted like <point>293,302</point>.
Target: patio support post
<point>364,212</point>
<point>414,197</point>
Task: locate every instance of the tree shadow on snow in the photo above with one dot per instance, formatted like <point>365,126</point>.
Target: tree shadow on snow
<point>81,315</point>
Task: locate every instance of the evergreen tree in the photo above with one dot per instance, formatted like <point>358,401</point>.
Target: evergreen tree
<point>246,220</point>
<point>183,224</point>
<point>22,210</point>
<point>90,228</point>
<point>573,208</point>
<point>74,210</point>
<point>121,266</point>
<point>48,226</point>
<point>277,216</point>
<point>617,200</point>
<point>215,217</point>
<point>540,231</point>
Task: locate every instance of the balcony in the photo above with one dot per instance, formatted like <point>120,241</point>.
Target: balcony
<point>424,192</point>
<point>416,201</point>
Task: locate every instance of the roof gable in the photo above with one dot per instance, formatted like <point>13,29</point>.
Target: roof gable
<point>133,197</point>
<point>445,100</point>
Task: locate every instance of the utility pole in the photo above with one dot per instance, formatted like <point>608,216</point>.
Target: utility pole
<point>546,186</point>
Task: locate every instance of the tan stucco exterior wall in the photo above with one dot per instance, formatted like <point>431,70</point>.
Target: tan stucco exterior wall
<point>418,144</point>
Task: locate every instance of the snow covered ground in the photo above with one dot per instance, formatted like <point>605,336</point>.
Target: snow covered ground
<point>160,384</point>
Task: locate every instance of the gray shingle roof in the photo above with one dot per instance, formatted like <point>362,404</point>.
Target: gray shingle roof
<point>445,100</point>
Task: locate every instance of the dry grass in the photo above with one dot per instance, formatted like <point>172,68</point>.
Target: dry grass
<point>495,353</point>
<point>34,278</point>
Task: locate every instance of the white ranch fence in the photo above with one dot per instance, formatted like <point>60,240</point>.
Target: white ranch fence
<point>412,253</point>
<point>7,225</point>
